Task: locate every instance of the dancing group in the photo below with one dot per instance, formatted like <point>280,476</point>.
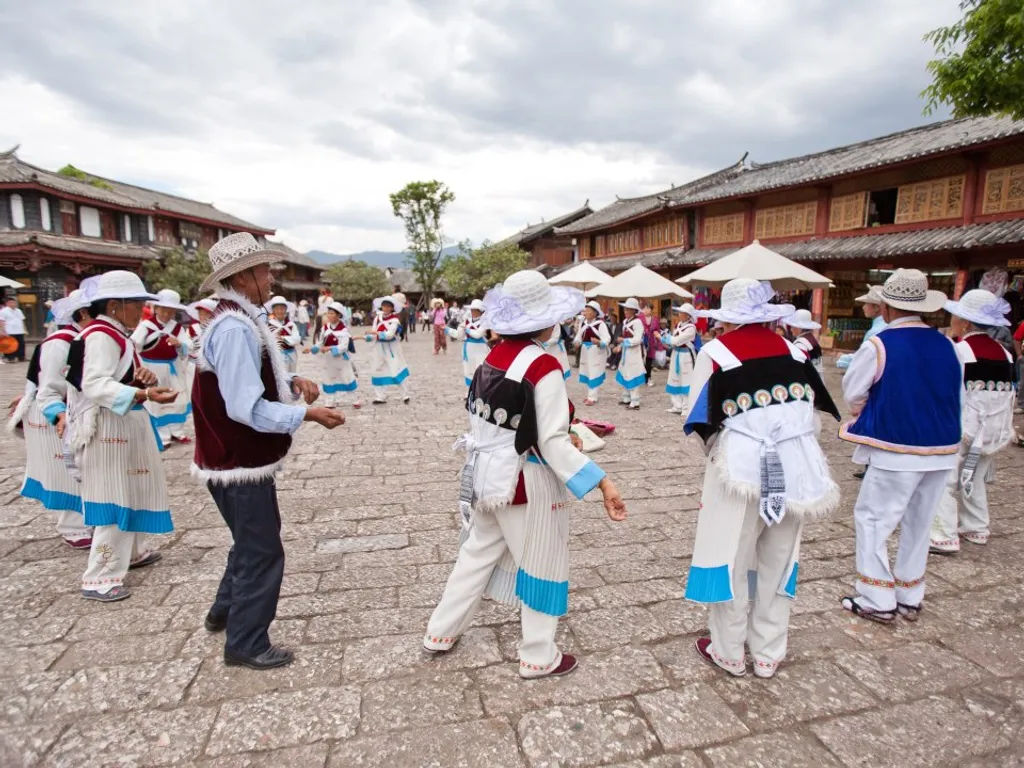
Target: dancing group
<point>751,396</point>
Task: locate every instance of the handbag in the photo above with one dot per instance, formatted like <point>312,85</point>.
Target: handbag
<point>591,442</point>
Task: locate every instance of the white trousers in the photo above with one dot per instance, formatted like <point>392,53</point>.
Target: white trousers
<point>631,395</point>
<point>113,550</point>
<point>71,526</point>
<point>679,401</point>
<point>593,393</point>
<point>757,616</point>
<point>962,514</point>
<point>888,499</point>
<point>493,533</point>
<point>381,393</point>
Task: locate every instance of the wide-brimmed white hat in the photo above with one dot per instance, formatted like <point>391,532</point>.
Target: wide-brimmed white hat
<point>527,303</point>
<point>337,306</point>
<point>746,301</point>
<point>278,300</point>
<point>476,304</point>
<point>873,296</point>
<point>630,304</point>
<point>907,289</point>
<point>234,253</point>
<point>210,305</point>
<point>168,299</point>
<point>979,307</point>
<point>802,319</point>
<point>396,300</point>
<point>117,284</point>
<point>596,307</point>
<point>303,303</point>
<point>686,309</point>
<point>64,308</point>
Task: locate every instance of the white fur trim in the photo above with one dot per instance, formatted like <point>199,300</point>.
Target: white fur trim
<point>235,476</point>
<point>19,412</point>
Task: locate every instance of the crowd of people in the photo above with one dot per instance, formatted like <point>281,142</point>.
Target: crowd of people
<point>110,389</point>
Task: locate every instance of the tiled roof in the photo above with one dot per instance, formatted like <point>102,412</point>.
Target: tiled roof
<point>294,257</point>
<point>533,231</point>
<point>741,180</point>
<point>664,258</point>
<point>77,245</point>
<point>15,170</point>
<point>407,282</point>
<point>299,285</point>
<point>884,246</point>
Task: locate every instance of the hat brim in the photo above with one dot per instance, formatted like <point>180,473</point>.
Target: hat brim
<point>965,313</point>
<point>933,302</point>
<point>168,305</point>
<point>765,314</point>
<point>250,260</point>
<point>801,325</point>
<point>565,303</point>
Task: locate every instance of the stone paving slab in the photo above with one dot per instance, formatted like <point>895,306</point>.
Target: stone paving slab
<point>368,550</point>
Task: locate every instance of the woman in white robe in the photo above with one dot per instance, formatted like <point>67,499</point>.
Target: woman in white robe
<point>389,368</point>
<point>333,345</point>
<point>472,334</point>
<point>684,354</point>
<point>593,339</point>
<point>632,373</point>
<point>555,347</point>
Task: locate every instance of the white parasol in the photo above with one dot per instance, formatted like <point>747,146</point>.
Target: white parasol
<point>640,282</point>
<point>583,276</point>
<point>760,263</point>
<point>6,282</point>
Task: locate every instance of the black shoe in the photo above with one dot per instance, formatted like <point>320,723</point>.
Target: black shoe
<point>269,659</point>
<point>215,623</point>
<point>860,475</point>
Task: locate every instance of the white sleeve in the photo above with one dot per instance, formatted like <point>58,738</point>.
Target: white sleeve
<point>391,332</point>
<point>860,376</point>
<point>475,333</point>
<point>140,335</point>
<point>684,336</point>
<point>551,407</point>
<point>293,335</point>
<point>604,334</point>
<point>102,355</point>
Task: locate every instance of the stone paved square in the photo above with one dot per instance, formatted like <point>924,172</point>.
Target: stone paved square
<point>368,551</point>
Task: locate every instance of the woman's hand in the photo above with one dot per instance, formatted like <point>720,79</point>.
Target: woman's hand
<point>306,351</point>
<point>613,503</point>
<point>145,377</point>
<point>577,441</point>
<point>174,341</point>
<point>13,406</point>
<point>62,423</point>
<point>161,395</point>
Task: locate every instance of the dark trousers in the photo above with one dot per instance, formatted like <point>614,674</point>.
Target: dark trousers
<point>19,353</point>
<point>648,367</point>
<point>251,583</point>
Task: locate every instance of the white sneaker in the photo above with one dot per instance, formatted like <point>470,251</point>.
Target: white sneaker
<point>674,410</point>
<point>650,383</point>
<point>634,406</point>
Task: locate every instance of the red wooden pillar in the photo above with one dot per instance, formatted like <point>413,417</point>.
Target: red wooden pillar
<point>821,214</point>
<point>748,221</point>
<point>971,177</point>
<point>960,284</point>
<point>818,305</point>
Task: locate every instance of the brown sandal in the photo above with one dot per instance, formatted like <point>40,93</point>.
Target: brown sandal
<point>881,617</point>
<point>909,612</point>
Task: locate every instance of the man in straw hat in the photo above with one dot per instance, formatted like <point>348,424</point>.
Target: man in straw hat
<point>243,400</point>
<point>164,344</point>
<point>904,390</point>
<point>753,402</point>
<point>521,469</point>
<point>990,385</point>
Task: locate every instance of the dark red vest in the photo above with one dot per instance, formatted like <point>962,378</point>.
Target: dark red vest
<point>223,444</point>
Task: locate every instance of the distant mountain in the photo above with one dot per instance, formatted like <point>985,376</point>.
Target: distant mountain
<point>377,258</point>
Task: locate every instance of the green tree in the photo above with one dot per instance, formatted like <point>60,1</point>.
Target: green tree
<point>356,283</point>
<point>178,270</point>
<point>474,271</point>
<point>421,205</point>
<point>980,69</point>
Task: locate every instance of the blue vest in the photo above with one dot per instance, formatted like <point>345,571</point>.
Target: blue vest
<point>914,407</point>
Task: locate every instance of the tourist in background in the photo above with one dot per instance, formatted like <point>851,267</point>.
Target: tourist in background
<point>652,341</point>
<point>302,321</point>
<point>12,323</point>
<point>439,319</point>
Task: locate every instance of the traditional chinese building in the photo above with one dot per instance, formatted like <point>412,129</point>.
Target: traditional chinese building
<point>947,198</point>
<point>56,228</point>
<point>546,248</point>
<point>297,276</point>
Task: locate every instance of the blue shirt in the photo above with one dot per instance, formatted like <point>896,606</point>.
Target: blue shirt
<point>877,324</point>
<point>233,353</point>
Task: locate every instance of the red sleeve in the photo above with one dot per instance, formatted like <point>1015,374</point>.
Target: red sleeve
<point>1019,333</point>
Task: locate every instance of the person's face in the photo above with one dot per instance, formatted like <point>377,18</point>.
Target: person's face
<point>12,303</point>
<point>959,326</point>
<point>280,311</point>
<point>205,315</point>
<point>630,313</point>
<point>387,307</point>
<point>647,310</point>
<point>333,316</point>
<point>590,314</point>
<point>255,283</point>
<point>127,313</point>
<point>163,314</point>
<point>871,311</point>
<point>476,313</point>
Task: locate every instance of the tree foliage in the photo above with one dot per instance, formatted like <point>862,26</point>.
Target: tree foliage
<point>356,284</point>
<point>474,271</point>
<point>980,69</point>
<point>421,205</point>
<point>180,271</point>
<point>74,173</point>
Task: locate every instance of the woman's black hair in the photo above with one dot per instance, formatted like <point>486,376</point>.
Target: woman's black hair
<point>98,308</point>
<point>77,315</point>
<point>524,336</point>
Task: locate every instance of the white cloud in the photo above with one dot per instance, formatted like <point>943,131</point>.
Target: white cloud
<point>306,116</point>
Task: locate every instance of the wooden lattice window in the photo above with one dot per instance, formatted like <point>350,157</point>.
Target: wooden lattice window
<point>848,212</point>
<point>1004,190</point>
<point>931,200</point>
<point>583,244</point>
<point>785,220</point>
<point>727,228</point>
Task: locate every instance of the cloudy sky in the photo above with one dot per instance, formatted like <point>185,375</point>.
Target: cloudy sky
<point>304,116</point>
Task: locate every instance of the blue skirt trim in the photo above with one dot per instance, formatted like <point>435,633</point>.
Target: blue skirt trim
<point>709,585</point>
<point>593,383</point>
<point>390,381</point>
<point>58,501</point>
<point>633,383</point>
<point>672,389</point>
<point>468,381</point>
<point>567,375</point>
<point>550,597</point>
<point>172,418</point>
<point>790,588</point>
<point>330,389</point>
<point>132,520</point>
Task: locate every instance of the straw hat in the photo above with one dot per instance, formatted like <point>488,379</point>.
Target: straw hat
<point>746,301</point>
<point>527,303</point>
<point>168,299</point>
<point>802,319</point>
<point>235,253</point>
<point>437,302</point>
<point>117,284</point>
<point>873,296</point>
<point>979,307</point>
<point>630,304</point>
<point>686,309</point>
<point>907,290</point>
